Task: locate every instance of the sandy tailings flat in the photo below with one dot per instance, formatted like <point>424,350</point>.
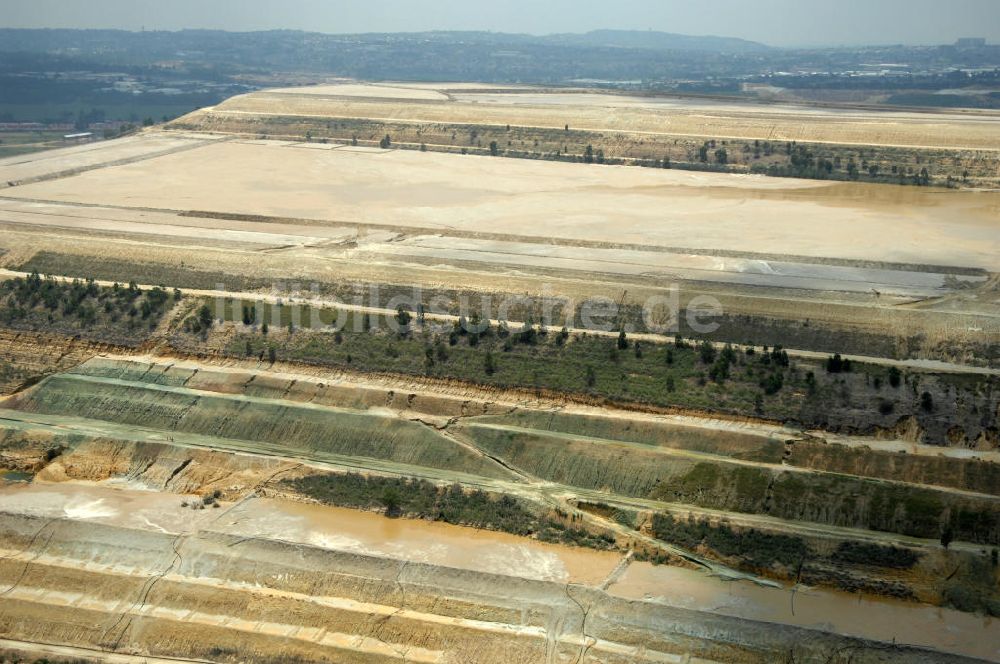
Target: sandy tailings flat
<point>93,155</point>
<point>545,200</point>
<point>537,107</point>
<point>885,620</point>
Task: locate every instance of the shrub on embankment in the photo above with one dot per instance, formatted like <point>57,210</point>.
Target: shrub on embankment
<point>752,546</point>
<point>123,315</point>
<point>766,383</point>
<point>450,504</point>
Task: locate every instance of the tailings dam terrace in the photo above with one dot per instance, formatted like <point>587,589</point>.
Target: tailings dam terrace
<point>192,473</point>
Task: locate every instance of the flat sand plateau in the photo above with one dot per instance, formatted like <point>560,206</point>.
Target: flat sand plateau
<point>442,193</point>
<point>539,107</point>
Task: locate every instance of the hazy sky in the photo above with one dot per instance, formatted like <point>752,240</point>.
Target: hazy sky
<point>777,22</point>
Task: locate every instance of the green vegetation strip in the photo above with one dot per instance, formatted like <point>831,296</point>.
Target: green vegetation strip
<point>732,327</point>
<point>453,504</point>
<point>723,442</point>
<point>761,382</point>
<point>758,548</point>
<point>120,314</point>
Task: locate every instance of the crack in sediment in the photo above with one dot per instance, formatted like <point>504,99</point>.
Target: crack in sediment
<point>136,475</point>
<point>399,584</point>
<point>588,641</point>
<point>263,484</point>
<point>769,494</point>
<point>462,442</point>
<point>402,650</point>
<point>184,412</point>
<point>187,380</point>
<point>28,563</point>
<point>436,427</point>
<point>149,368</point>
<point>66,351</point>
<point>177,471</point>
<point>126,618</point>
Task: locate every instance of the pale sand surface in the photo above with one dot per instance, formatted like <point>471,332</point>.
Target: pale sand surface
<point>119,503</point>
<point>464,548</point>
<point>105,503</point>
<point>388,91</point>
<point>597,112</point>
<point>88,155</point>
<point>488,93</point>
<point>545,199</point>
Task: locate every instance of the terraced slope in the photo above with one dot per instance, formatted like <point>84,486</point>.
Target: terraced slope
<point>270,424</point>
<point>132,573</point>
<point>741,499</point>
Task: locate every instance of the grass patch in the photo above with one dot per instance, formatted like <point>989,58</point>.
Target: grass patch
<point>26,142</point>
<point>851,502</point>
<point>973,587</point>
<point>268,426</point>
<point>734,444</point>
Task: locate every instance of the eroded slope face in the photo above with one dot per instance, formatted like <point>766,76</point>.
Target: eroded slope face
<point>224,553</point>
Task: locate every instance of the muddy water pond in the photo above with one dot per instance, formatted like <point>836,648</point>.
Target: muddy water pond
<point>882,620</point>
<point>420,541</point>
<point>14,477</point>
<point>498,553</point>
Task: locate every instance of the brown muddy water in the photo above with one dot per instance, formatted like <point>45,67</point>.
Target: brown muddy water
<point>498,553</point>
<point>421,541</point>
<point>885,620</point>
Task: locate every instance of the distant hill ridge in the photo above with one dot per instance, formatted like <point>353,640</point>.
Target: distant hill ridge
<point>14,40</point>
<point>652,39</point>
